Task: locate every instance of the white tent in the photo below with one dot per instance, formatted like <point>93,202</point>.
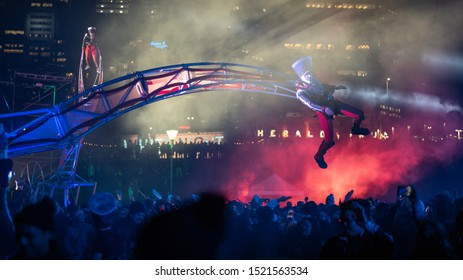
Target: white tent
<point>274,186</point>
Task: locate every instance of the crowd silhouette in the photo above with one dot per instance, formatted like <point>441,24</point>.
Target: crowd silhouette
<point>208,226</point>
<point>130,223</point>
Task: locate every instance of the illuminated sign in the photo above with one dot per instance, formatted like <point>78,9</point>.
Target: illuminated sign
<point>272,133</point>
<point>458,131</point>
<point>284,133</point>
<point>378,134</point>
<point>159,45</point>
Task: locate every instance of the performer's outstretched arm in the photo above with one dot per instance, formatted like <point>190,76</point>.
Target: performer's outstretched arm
<point>304,97</point>
<point>315,101</point>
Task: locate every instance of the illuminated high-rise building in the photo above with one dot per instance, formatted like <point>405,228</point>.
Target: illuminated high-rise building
<point>342,36</point>
<point>35,51</point>
<point>113,6</point>
<point>35,36</point>
<point>13,38</point>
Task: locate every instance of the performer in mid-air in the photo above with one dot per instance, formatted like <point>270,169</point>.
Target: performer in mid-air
<point>319,97</point>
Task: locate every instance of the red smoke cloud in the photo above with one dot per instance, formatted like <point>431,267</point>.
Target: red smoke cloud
<point>369,166</point>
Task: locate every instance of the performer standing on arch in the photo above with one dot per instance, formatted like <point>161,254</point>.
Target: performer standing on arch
<point>319,97</point>
<point>91,49</point>
<point>90,57</point>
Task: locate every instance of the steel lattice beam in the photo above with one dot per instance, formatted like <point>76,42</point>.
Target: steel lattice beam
<point>65,124</point>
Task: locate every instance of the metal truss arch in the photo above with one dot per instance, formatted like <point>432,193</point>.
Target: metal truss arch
<point>64,125</point>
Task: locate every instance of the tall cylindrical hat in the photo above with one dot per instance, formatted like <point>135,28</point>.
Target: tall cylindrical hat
<point>304,70</point>
<point>302,66</point>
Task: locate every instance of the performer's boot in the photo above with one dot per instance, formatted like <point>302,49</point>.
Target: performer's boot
<point>319,156</point>
<point>357,130</point>
<point>87,67</point>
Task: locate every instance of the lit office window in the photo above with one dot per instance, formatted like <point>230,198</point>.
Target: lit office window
<point>349,6</point>
<point>365,6</point>
<point>363,47</point>
<point>13,51</point>
<point>362,73</point>
<point>14,32</point>
<point>347,72</point>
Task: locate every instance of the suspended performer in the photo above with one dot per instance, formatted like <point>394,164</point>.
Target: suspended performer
<point>319,97</point>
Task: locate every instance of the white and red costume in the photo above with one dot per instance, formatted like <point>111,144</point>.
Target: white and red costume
<point>91,50</point>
